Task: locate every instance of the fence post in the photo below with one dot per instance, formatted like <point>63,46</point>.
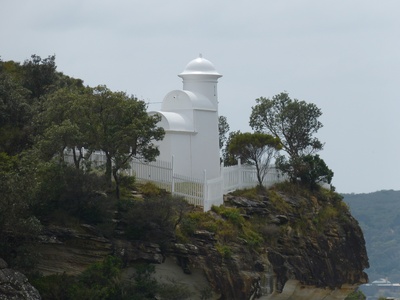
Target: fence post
<point>205,196</point>
<point>173,178</point>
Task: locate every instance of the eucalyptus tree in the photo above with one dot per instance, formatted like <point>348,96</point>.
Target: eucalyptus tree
<point>256,149</point>
<point>119,126</point>
<point>295,123</point>
<point>62,124</point>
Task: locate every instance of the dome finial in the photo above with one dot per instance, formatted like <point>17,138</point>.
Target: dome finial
<point>200,55</point>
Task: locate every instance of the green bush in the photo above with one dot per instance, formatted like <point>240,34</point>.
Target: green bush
<point>251,193</point>
<point>149,189</point>
<point>232,214</point>
<point>63,187</point>
<point>152,219</point>
<point>224,250</point>
<point>356,295</point>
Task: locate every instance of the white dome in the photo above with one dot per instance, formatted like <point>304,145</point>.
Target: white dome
<point>200,66</point>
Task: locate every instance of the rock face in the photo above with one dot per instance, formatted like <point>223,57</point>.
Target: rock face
<point>70,250</point>
<point>14,285</point>
<point>311,249</point>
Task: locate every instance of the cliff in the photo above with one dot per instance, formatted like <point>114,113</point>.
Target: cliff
<point>281,245</point>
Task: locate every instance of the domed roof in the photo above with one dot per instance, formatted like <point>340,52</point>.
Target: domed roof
<point>200,66</point>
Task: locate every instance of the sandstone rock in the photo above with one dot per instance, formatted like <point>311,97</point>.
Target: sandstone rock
<point>14,285</point>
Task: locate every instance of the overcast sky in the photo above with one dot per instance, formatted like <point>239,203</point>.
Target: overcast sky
<point>344,56</point>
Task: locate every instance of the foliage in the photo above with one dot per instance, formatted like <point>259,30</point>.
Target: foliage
<point>232,214</point>
<point>153,219</point>
<point>149,189</point>
<point>223,129</point>
<point>311,170</point>
<point>39,75</point>
<point>19,227</point>
<point>122,129</point>
<point>62,124</point>
<point>228,158</point>
<point>256,149</point>
<point>103,280</point>
<point>80,194</point>
<point>294,122</point>
<point>228,225</point>
<point>15,114</point>
<point>356,295</point>
<point>250,193</point>
<point>224,250</point>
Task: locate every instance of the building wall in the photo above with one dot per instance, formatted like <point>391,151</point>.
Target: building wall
<point>205,145</point>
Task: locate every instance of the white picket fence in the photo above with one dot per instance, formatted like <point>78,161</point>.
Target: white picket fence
<point>201,191</point>
<point>197,191</point>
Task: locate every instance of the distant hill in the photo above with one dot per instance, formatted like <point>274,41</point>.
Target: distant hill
<point>378,214</point>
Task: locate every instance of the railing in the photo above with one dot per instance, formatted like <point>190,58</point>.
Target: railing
<point>197,191</point>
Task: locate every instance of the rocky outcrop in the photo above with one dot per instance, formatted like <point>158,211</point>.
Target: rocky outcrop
<point>312,249</point>
<point>14,285</point>
<point>70,250</point>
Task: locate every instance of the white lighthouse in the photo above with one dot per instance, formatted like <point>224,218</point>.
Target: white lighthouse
<point>190,120</point>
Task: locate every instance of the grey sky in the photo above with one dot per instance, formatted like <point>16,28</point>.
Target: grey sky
<point>344,56</point>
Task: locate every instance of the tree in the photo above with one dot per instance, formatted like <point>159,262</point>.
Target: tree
<point>309,169</point>
<point>119,126</point>
<point>223,128</point>
<point>18,226</point>
<point>292,121</point>
<point>62,124</point>
<point>230,159</point>
<point>39,75</point>
<point>15,111</point>
<point>256,149</point>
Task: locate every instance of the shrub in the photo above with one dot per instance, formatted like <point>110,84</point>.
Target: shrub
<point>153,219</point>
<point>252,193</point>
<point>63,187</point>
<point>232,214</point>
<point>224,250</point>
<point>149,189</point>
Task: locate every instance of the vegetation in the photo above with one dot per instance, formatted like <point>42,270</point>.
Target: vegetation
<point>223,129</point>
<point>104,280</point>
<point>45,114</point>
<point>356,295</point>
<point>294,122</point>
<point>256,149</point>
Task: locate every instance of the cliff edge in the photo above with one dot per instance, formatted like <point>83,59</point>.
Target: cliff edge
<point>278,244</point>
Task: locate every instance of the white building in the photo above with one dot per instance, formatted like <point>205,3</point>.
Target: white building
<point>190,119</point>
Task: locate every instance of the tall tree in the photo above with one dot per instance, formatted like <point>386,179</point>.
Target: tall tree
<point>120,126</point>
<point>255,148</point>
<point>39,75</point>
<point>62,124</point>
<point>294,122</point>
<point>15,114</point>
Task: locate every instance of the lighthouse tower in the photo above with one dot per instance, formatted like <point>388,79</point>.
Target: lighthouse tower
<point>190,120</point>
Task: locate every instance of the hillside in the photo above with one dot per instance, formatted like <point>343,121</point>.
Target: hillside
<point>378,214</point>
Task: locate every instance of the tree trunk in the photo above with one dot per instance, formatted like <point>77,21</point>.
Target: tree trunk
<point>116,179</point>
<point>108,169</point>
